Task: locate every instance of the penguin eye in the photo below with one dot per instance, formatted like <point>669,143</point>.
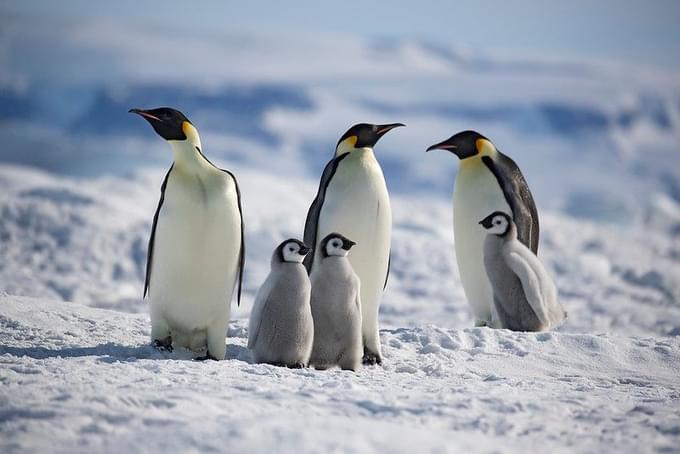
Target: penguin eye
<point>291,248</point>
<point>335,244</point>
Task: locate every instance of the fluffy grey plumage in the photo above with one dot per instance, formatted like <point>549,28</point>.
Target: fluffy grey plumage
<point>281,327</point>
<point>524,294</point>
<point>336,307</point>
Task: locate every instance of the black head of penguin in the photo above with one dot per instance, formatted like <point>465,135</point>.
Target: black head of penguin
<point>366,134</point>
<point>465,144</point>
<point>166,121</point>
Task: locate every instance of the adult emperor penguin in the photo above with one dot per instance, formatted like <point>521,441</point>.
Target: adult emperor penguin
<point>353,199</point>
<point>525,297</point>
<point>487,181</point>
<point>336,307</point>
<point>281,329</point>
<point>196,250</point>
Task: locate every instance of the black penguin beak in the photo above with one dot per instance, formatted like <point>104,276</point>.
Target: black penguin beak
<point>304,249</point>
<point>445,145</point>
<point>379,131</point>
<point>347,244</point>
<point>147,116</point>
<point>384,129</point>
<point>487,222</point>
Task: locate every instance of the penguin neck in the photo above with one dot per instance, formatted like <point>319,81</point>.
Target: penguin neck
<point>510,234</point>
<point>188,155</point>
<point>343,148</point>
<point>475,161</point>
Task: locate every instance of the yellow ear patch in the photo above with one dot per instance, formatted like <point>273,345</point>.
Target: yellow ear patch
<point>346,146</point>
<point>484,147</point>
<point>189,130</point>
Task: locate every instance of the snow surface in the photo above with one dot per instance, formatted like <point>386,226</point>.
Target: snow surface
<point>80,180</point>
<point>79,378</point>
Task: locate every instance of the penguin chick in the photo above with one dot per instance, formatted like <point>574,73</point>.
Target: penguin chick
<point>336,307</point>
<point>524,295</point>
<point>281,328</point>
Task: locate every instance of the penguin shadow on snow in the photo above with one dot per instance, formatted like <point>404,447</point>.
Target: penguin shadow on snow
<point>110,353</point>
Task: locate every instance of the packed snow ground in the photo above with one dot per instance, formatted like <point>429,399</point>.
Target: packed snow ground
<point>84,378</point>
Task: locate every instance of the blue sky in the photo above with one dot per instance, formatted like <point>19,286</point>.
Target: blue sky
<point>627,30</point>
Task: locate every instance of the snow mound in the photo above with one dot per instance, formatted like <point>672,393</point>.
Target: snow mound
<point>81,378</point>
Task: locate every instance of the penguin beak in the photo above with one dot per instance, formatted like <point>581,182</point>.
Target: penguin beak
<point>445,145</point>
<point>304,249</point>
<point>380,130</point>
<point>149,117</point>
<point>486,222</point>
<point>384,129</point>
<point>347,244</point>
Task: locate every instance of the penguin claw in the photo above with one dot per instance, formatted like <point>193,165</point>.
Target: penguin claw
<point>163,345</point>
<point>296,366</point>
<point>371,359</point>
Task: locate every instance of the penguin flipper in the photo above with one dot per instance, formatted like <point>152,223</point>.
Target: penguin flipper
<point>538,293</point>
<point>256,316</point>
<point>242,253</point>
<point>517,194</point>
<point>389,265</point>
<point>149,254</point>
<point>312,221</point>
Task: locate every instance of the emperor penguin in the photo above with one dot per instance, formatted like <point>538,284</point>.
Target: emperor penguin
<point>336,307</point>
<point>524,295</point>
<point>487,181</point>
<point>281,329</point>
<point>196,251</point>
<point>353,199</point>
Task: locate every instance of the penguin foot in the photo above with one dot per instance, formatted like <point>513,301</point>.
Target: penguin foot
<point>163,345</point>
<point>296,366</point>
<point>206,357</point>
<point>371,359</point>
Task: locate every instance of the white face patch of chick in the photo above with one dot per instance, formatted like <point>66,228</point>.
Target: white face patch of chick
<point>499,225</point>
<point>291,252</point>
<point>334,247</point>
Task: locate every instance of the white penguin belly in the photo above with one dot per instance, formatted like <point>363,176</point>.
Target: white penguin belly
<point>357,205</point>
<point>476,195</point>
<point>195,256</point>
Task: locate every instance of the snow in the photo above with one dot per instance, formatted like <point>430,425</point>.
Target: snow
<point>85,379</point>
<point>80,180</point>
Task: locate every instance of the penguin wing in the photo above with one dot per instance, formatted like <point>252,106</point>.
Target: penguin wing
<point>539,289</point>
<point>517,194</point>
<point>262,299</point>
<point>242,253</point>
<point>149,256</point>
<point>312,222</point>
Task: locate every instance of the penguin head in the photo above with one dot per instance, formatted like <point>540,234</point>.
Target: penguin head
<point>363,135</point>
<point>497,223</point>
<point>466,144</point>
<point>335,244</point>
<point>291,251</point>
<point>168,123</point>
